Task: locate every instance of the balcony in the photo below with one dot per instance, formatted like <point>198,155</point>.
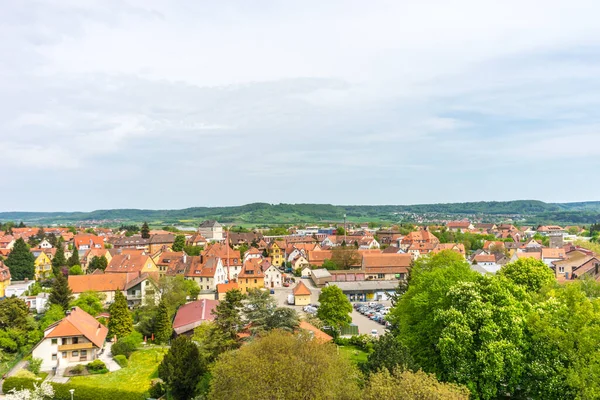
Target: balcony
<point>78,346</point>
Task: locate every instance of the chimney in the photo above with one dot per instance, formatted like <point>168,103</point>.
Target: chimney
<point>72,308</point>
<point>184,258</point>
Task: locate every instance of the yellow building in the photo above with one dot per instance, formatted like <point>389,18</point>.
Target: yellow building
<point>276,252</point>
<point>43,264</point>
<point>251,276</point>
<point>4,279</point>
<point>301,294</point>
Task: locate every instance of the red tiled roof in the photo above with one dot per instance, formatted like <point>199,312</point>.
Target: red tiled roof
<point>190,315</point>
<point>77,323</point>
<point>301,290</point>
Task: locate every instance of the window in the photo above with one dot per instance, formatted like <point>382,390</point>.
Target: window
<point>54,341</point>
<point>255,281</point>
<point>380,276</point>
<point>83,353</point>
<point>64,340</point>
<point>75,353</point>
<point>561,269</point>
<point>64,354</point>
<point>75,340</point>
<point>53,356</point>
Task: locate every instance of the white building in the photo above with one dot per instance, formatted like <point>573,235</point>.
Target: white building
<point>273,277</point>
<point>38,303</point>
<point>211,230</point>
<point>17,288</point>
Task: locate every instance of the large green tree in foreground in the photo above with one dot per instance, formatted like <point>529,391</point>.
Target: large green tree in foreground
<point>334,308</point>
<point>182,368</point>
<point>120,323</point>
<point>21,261</point>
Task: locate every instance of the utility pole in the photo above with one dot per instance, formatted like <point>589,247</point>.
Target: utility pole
<point>345,229</point>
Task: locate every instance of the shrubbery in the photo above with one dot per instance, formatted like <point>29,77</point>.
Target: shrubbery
<point>97,367</point>
<point>127,345</point>
<point>121,360</point>
<point>363,342</point>
<point>61,391</point>
<point>34,365</point>
<point>77,370</point>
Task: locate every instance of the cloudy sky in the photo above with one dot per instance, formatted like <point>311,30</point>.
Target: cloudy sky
<point>172,104</point>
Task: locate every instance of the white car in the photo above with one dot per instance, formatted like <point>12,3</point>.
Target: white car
<point>374,332</point>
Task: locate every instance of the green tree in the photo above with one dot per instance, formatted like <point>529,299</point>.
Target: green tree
<point>54,313</point>
<point>389,353</point>
<point>120,323</point>
<point>329,264</point>
<point>335,308</point>
<point>528,272</point>
<point>97,263</point>
<point>174,291</point>
<point>59,259</point>
<point>192,289</point>
<point>228,319</point>
<point>182,368</point>
<point>243,249</point>
<point>340,231</point>
<point>76,270</point>
<point>145,231</point>
<point>162,324</point>
<point>61,294</point>
<point>90,302</point>
<point>415,312</point>
<point>74,259</point>
<point>262,313</point>
<point>21,261</point>
<point>406,385</point>
<point>284,366</point>
<point>179,243</point>
<point>345,258</point>
<point>14,314</point>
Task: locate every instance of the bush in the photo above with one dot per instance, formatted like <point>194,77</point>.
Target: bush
<point>34,365</point>
<point>158,389</point>
<point>127,345</point>
<point>25,374</point>
<point>78,369</point>
<point>122,361</point>
<point>61,390</point>
<point>97,367</point>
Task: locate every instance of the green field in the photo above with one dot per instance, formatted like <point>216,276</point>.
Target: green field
<point>354,354</point>
<point>142,368</point>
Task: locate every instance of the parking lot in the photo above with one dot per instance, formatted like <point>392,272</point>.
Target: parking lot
<point>365,325</point>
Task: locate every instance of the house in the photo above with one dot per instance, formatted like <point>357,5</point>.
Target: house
<point>422,236</point>
<point>550,230</point>
<point>44,244</point>
<point>300,262</point>
<point>223,288</point>
<point>135,242</point>
<point>165,259</point>
<point>4,279</point>
<point>386,266</point>
<point>315,332</point>
<point>37,303</point>
<point>232,262</point>
<point>251,277</point>
<point>462,226</point>
<point>306,272</point>
<point>273,277</point>
<point>252,252</point>
<point>368,242</point>
<point>276,252</point>
<point>157,242</point>
<point>239,238</point>
<point>317,257</point>
<point>191,315</point>
<point>418,249</point>
<point>17,288</point>
<point>484,228</point>
<point>7,242</point>
<point>196,240</point>
<point>141,289</point>
<point>86,242</point>
<point>43,264</point>
<point>105,283</point>
<point>208,272</point>
<point>135,261</point>
<point>455,247</point>
<point>76,339</point>
<point>552,255</point>
<point>565,269</point>
<point>301,294</point>
<point>89,255</point>
<point>211,230</point>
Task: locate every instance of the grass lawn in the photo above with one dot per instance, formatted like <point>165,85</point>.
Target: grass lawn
<point>353,353</point>
<point>143,366</point>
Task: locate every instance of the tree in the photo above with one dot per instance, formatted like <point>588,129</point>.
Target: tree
<point>262,313</point>
<point>335,308</point>
<point>415,313</point>
<point>120,323</point>
<point>74,259</point>
<point>192,289</point>
<point>179,243</point>
<point>284,319</point>
<point>162,324</point>
<point>90,302</point>
<point>61,294</point>
<point>97,263</point>
<point>59,259</point>
<point>389,353</point>
<point>284,366</point>
<point>345,258</point>
<point>330,265</point>
<point>21,261</point>
<point>228,319</point>
<point>145,231</point>
<point>174,291</point>
<point>40,235</point>
<point>340,231</point>
<point>406,385</point>
<point>21,225</point>
<point>182,368</point>
<point>39,392</point>
<point>528,272</point>
<point>54,313</point>
<point>76,270</point>
<point>14,314</point>
<point>243,249</point>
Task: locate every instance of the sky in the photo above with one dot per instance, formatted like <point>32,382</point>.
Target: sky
<point>182,103</point>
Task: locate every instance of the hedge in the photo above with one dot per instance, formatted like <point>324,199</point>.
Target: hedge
<point>121,360</point>
<point>61,390</point>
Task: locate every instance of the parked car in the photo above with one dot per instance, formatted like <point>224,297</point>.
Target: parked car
<point>374,332</point>
<point>286,284</point>
<point>372,304</point>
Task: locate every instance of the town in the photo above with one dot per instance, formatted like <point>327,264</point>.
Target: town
<point>93,300</point>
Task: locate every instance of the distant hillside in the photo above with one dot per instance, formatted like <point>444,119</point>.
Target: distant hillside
<point>264,213</point>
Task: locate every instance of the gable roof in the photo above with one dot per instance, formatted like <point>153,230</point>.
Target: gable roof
<point>316,332</point>
<point>97,282</point>
<point>191,315</point>
<point>77,323</point>
<point>88,240</point>
<point>553,253</point>
<point>226,287</point>
<point>301,290</point>
<point>128,262</point>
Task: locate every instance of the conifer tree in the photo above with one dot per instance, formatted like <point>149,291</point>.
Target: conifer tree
<point>120,322</point>
<point>61,294</point>
<point>21,261</point>
<point>59,259</point>
<point>145,231</point>
<point>74,259</point>
<point>162,324</point>
<point>182,368</point>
